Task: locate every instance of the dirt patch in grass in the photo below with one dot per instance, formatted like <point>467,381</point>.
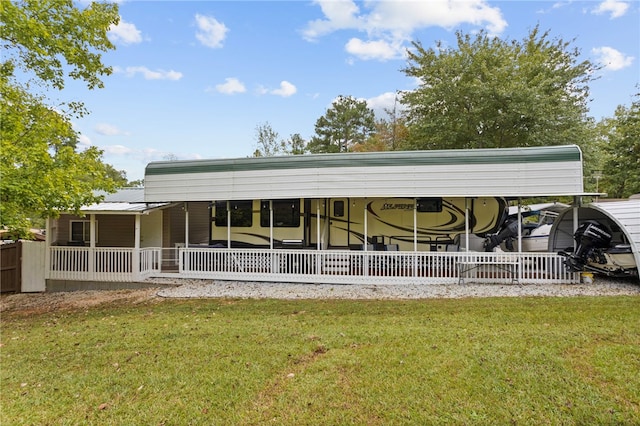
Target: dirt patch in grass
<point>37,303</point>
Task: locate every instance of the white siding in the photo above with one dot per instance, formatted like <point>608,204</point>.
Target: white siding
<point>468,180</point>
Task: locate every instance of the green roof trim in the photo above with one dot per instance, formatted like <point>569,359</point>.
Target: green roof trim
<point>563,153</point>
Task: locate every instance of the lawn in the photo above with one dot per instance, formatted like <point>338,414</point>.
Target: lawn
<point>202,362</point>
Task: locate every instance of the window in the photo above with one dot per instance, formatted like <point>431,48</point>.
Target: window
<point>338,208</point>
<point>80,230</point>
<point>429,205</point>
<point>286,213</point>
<point>241,213</point>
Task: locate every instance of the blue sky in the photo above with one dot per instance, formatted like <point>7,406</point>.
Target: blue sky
<point>193,79</point>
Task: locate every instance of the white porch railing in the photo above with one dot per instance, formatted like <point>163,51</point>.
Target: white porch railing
<point>103,263</point>
<point>307,266</point>
<point>346,267</point>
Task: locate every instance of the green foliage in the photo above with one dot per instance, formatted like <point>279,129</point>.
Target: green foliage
<point>269,143</point>
<point>36,34</point>
<point>620,146</point>
<point>348,123</point>
<point>492,93</point>
<point>119,177</point>
<point>296,145</point>
<point>42,170</point>
<point>570,361</point>
<point>42,173</point>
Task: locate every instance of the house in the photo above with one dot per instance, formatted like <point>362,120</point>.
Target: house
<point>393,217</point>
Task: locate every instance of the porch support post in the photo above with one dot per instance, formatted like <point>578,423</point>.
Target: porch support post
<point>228,224</point>
<point>318,244</point>
<point>271,224</point>
<point>318,225</point>
<point>576,206</point>
<point>186,224</point>
<point>415,237</point>
<point>135,268</point>
<point>466,223</point>
<point>415,224</point>
<point>92,246</point>
<point>519,225</point>
<point>92,230</point>
<point>47,242</point>
<point>185,257</point>
<point>366,241</point>
<point>520,271</point>
<point>366,225</point>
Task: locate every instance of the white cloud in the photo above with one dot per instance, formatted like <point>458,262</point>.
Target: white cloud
<point>286,89</point>
<point>211,33</point>
<point>611,58</point>
<point>387,101</point>
<point>616,8</point>
<point>117,150</point>
<point>84,141</point>
<point>340,15</point>
<point>378,49</point>
<point>108,130</point>
<point>125,33</point>
<point>389,24</point>
<point>230,86</point>
<point>149,74</point>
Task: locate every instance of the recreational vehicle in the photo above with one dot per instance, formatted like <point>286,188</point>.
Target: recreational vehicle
<point>425,224</point>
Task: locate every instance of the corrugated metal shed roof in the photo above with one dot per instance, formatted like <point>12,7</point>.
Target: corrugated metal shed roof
<point>493,156</point>
<point>123,201</point>
<point>625,214</point>
<point>122,207</point>
<point>126,195</point>
<point>510,172</point>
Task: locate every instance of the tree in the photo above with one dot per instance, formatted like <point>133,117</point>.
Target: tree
<point>491,93</point>
<point>296,145</point>
<point>620,147</point>
<point>388,136</point>
<point>119,177</point>
<point>42,170</point>
<point>269,144</point>
<point>37,34</point>
<point>267,141</point>
<point>347,123</point>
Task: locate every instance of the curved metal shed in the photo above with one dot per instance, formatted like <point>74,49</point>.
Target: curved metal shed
<point>623,217</point>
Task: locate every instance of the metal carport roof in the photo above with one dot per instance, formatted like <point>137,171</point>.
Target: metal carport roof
<point>625,215</point>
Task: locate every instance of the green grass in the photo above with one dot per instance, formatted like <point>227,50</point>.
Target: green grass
<point>470,361</point>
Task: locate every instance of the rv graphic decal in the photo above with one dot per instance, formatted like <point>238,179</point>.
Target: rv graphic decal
<point>405,224</point>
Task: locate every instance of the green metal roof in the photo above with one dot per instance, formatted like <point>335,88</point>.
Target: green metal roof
<point>547,154</point>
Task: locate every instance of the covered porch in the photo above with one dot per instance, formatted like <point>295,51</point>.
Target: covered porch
<point>307,266</point>
<point>182,193</point>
